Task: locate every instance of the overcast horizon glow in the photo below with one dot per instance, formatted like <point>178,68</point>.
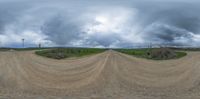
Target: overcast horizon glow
<point>99,23</point>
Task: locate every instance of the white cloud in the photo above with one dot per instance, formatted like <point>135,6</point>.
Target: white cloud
<point>112,26</point>
<point>31,38</point>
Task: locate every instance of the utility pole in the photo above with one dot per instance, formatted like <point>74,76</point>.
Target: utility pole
<point>150,45</point>
<point>39,45</point>
<point>23,42</point>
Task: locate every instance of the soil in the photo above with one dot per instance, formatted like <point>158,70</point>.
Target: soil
<point>108,75</point>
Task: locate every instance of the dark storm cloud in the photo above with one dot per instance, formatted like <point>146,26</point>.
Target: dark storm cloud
<point>169,22</point>
<point>60,31</point>
<point>63,22</point>
<point>8,13</point>
<point>181,17</point>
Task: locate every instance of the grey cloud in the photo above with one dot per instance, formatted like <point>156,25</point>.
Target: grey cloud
<point>174,22</point>
<point>103,40</point>
<point>60,31</point>
<point>8,14</point>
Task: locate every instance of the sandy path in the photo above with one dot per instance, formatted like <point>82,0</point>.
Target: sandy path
<point>108,75</point>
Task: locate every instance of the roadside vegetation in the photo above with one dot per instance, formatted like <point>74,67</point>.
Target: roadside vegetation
<point>154,53</point>
<point>21,49</point>
<point>4,49</point>
<point>186,49</point>
<point>61,53</point>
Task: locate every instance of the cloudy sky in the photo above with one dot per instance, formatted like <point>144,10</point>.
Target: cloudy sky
<point>99,23</point>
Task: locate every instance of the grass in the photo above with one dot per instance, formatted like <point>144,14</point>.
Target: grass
<point>62,53</point>
<point>4,49</point>
<point>186,49</point>
<point>21,49</point>
<point>180,54</point>
<point>135,52</point>
<point>143,53</point>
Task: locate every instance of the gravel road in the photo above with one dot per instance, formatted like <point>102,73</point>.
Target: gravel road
<point>108,75</point>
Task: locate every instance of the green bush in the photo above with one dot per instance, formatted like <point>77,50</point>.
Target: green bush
<point>161,53</point>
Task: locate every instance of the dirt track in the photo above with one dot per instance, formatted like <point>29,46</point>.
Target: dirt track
<point>109,75</point>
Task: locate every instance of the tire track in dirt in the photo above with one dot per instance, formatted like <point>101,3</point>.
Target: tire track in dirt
<point>106,75</point>
<point>159,73</point>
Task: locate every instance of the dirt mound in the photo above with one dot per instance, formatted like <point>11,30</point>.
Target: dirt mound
<point>161,53</point>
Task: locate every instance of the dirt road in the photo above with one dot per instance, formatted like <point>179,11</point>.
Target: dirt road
<point>109,75</point>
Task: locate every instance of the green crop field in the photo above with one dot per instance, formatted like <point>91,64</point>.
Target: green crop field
<point>61,53</point>
<point>143,53</point>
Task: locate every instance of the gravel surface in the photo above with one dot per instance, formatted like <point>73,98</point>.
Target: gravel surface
<point>108,75</point>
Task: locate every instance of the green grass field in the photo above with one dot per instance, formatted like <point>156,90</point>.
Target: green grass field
<point>143,53</point>
<point>180,54</point>
<point>21,49</point>
<point>187,49</point>
<point>61,53</point>
<point>135,52</point>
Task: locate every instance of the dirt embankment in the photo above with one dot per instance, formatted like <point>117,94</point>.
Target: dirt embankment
<point>109,75</point>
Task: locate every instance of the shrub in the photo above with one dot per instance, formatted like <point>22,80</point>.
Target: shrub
<point>161,53</point>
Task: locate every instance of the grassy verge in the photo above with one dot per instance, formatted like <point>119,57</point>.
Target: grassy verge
<point>180,54</point>
<point>4,49</point>
<point>61,53</point>
<point>143,53</point>
<point>186,49</point>
<point>21,49</point>
<point>135,52</point>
